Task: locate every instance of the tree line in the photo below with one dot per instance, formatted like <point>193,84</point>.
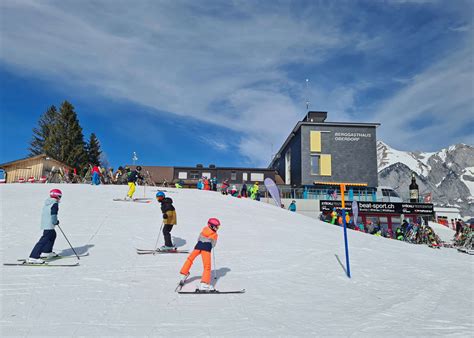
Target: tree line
<point>59,135</point>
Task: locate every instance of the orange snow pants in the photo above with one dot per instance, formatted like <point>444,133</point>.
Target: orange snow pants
<point>206,262</point>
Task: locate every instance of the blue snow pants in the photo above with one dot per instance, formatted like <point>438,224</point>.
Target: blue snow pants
<point>95,178</point>
<point>45,244</point>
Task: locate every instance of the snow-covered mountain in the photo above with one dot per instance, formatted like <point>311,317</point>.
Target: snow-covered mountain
<point>291,266</point>
<point>448,174</point>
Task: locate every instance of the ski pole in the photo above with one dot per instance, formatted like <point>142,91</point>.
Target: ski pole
<point>69,242</point>
<point>215,267</point>
<point>159,233</point>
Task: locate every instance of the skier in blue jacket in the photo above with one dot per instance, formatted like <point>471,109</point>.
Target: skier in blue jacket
<point>49,219</point>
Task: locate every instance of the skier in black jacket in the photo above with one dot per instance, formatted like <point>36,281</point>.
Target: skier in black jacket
<point>132,181</point>
<point>169,219</point>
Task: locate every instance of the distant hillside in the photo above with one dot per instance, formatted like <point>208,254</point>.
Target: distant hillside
<point>448,174</point>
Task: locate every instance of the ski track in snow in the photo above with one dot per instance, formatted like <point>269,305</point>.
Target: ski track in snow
<point>289,264</point>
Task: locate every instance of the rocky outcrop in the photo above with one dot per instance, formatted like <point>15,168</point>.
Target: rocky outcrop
<point>447,174</point>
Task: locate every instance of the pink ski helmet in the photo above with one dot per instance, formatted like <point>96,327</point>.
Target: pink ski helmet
<point>213,223</point>
<point>56,194</point>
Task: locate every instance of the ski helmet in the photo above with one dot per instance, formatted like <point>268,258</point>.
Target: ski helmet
<point>56,194</point>
<point>213,223</point>
<point>139,168</point>
<point>160,194</point>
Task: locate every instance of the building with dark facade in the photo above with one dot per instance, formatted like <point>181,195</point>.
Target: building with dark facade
<point>322,153</point>
<point>189,176</point>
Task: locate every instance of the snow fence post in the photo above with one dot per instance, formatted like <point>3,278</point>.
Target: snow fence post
<point>345,231</point>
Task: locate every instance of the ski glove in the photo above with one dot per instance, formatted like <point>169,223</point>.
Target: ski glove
<point>165,216</point>
<point>57,222</point>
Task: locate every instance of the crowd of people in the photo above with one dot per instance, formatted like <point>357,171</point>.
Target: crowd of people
<point>408,231</point>
<point>252,192</point>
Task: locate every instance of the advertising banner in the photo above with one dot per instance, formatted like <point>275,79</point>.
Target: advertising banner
<point>273,190</point>
<point>425,209</point>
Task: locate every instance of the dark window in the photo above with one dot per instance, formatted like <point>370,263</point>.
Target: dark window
<point>233,176</point>
<point>194,175</point>
<point>315,165</point>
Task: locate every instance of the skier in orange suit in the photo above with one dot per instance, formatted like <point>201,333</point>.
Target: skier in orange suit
<point>206,241</point>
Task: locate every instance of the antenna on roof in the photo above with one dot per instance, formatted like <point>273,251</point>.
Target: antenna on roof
<point>307,94</point>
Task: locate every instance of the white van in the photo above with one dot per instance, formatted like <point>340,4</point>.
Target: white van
<point>387,194</point>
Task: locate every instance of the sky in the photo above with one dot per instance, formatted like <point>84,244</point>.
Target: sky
<point>224,82</point>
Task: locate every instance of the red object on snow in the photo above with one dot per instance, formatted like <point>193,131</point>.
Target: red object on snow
<point>31,179</point>
<point>42,179</point>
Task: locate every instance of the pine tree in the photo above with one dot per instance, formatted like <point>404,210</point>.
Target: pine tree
<point>66,141</point>
<point>93,150</point>
<point>41,134</point>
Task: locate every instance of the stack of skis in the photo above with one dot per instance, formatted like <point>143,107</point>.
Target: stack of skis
<point>464,241</point>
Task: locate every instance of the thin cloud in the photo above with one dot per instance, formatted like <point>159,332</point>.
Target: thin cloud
<point>233,64</point>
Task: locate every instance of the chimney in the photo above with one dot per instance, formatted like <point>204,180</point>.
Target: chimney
<point>316,116</point>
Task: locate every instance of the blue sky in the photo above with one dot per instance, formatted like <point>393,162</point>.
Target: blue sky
<point>224,82</point>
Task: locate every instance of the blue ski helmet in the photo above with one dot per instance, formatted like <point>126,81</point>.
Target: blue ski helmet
<point>160,194</point>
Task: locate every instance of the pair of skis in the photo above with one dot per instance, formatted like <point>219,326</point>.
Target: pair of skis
<point>48,262</point>
<point>136,200</point>
<point>203,292</point>
<point>158,251</point>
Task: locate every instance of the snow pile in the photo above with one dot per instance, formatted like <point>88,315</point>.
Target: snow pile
<point>292,267</point>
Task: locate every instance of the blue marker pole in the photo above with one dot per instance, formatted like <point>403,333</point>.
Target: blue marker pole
<point>345,231</point>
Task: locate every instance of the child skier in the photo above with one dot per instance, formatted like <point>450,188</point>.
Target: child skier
<point>206,242</point>
<point>132,181</point>
<point>169,219</point>
<point>49,219</point>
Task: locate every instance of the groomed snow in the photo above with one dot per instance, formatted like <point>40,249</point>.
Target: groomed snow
<point>290,265</point>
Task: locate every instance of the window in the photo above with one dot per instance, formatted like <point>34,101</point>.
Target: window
<point>315,165</point>
<point>325,163</point>
<point>208,175</point>
<point>194,175</point>
<point>233,176</point>
<point>288,167</point>
<point>256,177</point>
<point>183,175</point>
<point>315,141</point>
<point>244,177</point>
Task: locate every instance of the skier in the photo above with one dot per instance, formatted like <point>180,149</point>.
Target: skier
<point>234,192</point>
<point>132,181</point>
<point>49,219</point>
<point>243,191</point>
<point>95,175</point>
<point>292,206</point>
<point>169,219</point>
<point>206,242</point>
<point>333,216</point>
<point>254,192</point>
<point>224,187</point>
<point>214,184</point>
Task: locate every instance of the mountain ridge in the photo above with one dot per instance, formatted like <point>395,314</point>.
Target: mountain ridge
<point>447,174</point>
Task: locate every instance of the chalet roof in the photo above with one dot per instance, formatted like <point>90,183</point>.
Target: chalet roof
<point>37,157</point>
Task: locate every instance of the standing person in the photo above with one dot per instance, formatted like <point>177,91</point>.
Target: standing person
<point>95,175</point>
<point>458,229</point>
<point>254,192</point>
<point>49,219</point>
<point>243,190</point>
<point>292,206</point>
<point>206,242</point>
<point>206,183</point>
<point>169,219</point>
<point>132,181</point>
<point>333,216</point>
<point>214,184</point>
<point>224,187</point>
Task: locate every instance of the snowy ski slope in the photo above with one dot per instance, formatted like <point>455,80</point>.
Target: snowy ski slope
<point>290,265</point>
